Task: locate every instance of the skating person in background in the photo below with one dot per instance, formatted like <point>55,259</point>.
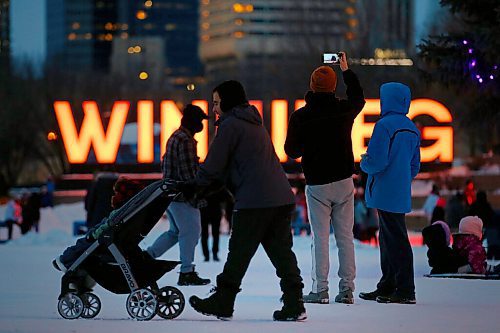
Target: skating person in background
<point>430,202</point>
<point>454,210</point>
<point>391,162</point>
<point>211,215</point>
<point>242,156</point>
<point>30,204</point>
<point>469,192</point>
<point>442,258</point>
<point>180,163</point>
<point>320,133</point>
<point>13,214</point>
<point>482,208</point>
<point>439,213</point>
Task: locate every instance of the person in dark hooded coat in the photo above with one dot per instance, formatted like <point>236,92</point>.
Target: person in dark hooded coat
<point>243,157</point>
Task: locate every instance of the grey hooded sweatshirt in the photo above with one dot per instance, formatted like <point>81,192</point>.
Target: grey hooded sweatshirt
<point>242,156</point>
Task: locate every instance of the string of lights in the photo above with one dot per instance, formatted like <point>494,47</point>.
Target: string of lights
<point>480,72</point>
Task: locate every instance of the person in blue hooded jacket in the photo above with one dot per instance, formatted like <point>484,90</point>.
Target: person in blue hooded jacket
<point>391,162</point>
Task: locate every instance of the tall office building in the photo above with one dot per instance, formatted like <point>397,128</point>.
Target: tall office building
<point>4,35</point>
<point>174,21</point>
<point>80,33</point>
<point>244,39</point>
<point>386,25</point>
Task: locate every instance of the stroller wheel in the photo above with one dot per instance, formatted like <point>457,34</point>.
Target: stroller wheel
<point>70,306</point>
<point>142,304</point>
<point>91,305</point>
<point>171,302</point>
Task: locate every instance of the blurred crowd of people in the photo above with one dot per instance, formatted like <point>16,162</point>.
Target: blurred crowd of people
<point>466,202</point>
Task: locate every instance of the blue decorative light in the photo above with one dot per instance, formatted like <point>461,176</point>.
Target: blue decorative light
<point>465,42</point>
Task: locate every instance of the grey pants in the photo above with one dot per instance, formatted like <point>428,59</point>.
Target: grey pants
<point>332,204</point>
<point>185,228</point>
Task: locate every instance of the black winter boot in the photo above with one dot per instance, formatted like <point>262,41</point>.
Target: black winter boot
<point>191,279</point>
<point>292,310</point>
<point>220,304</point>
<point>372,296</point>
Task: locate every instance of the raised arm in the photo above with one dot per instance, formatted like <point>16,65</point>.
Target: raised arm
<point>355,95</point>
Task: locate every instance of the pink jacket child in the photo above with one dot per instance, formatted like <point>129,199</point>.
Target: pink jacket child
<point>468,244</point>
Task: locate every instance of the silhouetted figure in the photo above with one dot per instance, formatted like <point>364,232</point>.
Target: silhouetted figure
<point>30,204</point>
<point>98,199</point>
<point>431,202</point>
<point>211,215</point>
<point>438,213</point>
<point>455,210</point>
<point>469,192</point>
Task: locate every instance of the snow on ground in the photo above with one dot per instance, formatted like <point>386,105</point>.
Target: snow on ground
<point>29,287</point>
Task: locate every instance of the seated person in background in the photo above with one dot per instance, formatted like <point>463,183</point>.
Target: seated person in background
<point>124,189</point>
<point>468,244</point>
<point>442,258</point>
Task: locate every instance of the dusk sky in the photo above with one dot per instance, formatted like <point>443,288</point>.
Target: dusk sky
<point>28,29</point>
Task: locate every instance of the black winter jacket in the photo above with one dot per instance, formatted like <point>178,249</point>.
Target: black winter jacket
<point>320,133</point>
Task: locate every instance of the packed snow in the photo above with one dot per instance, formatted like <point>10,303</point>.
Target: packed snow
<point>29,287</point>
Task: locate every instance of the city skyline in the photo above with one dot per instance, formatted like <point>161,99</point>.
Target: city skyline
<point>28,27</point>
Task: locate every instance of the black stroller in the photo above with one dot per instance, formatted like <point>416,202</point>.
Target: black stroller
<point>116,262</point>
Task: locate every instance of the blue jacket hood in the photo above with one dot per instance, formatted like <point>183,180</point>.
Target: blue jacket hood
<point>394,98</point>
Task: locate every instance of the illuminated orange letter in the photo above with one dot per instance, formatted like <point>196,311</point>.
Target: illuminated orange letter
<point>170,121</point>
<point>279,124</point>
<point>202,137</point>
<point>363,130</point>
<point>442,149</point>
<point>258,106</point>
<point>91,133</point>
<point>145,132</point>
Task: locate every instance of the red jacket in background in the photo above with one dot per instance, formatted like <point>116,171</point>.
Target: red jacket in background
<point>471,247</point>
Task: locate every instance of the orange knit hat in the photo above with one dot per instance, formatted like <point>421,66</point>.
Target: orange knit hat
<point>323,79</point>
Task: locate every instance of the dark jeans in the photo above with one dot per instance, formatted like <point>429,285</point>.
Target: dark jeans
<point>271,228</point>
<point>210,215</point>
<point>73,252</point>
<point>396,256</point>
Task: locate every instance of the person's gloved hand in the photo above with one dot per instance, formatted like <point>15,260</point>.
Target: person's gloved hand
<point>97,232</point>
